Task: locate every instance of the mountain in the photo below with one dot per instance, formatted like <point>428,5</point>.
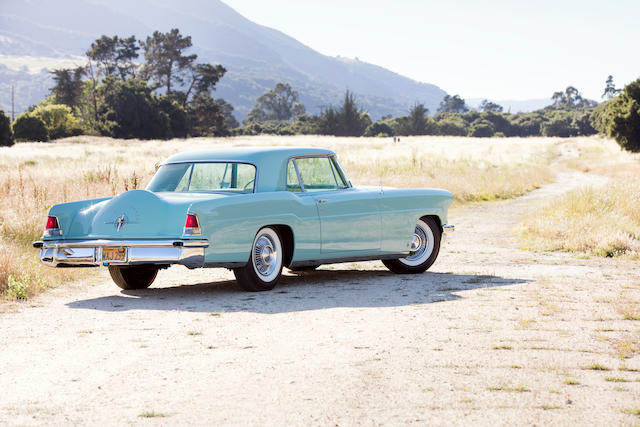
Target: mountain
<point>256,57</point>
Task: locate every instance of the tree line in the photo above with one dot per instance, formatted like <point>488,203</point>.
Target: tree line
<point>568,115</point>
<point>166,95</point>
<point>169,94</point>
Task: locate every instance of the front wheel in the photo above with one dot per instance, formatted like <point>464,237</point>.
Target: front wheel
<point>131,277</point>
<point>264,268</point>
<point>425,246</point>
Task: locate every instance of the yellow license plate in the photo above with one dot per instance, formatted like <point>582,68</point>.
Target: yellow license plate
<point>114,254</point>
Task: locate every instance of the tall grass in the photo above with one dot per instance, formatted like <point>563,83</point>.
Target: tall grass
<point>599,221</point>
<point>33,177</point>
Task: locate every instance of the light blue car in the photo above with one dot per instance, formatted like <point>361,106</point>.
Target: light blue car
<point>253,210</point>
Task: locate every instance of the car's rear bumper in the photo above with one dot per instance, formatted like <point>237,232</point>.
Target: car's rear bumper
<point>88,253</point>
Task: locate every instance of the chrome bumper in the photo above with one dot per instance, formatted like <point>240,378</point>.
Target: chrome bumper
<point>88,253</point>
<point>447,229</point>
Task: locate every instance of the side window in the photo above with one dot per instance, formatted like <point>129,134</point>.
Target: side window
<point>292,178</point>
<point>317,173</point>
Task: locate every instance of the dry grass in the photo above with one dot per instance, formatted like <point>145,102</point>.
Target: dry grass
<point>33,177</point>
<point>599,221</point>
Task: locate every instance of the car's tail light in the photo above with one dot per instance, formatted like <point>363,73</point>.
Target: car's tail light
<point>53,227</point>
<point>192,226</point>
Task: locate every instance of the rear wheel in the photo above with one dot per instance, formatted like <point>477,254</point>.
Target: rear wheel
<point>264,268</point>
<point>133,276</point>
<point>425,246</point>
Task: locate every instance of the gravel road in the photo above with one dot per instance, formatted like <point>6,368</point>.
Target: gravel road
<point>493,334</point>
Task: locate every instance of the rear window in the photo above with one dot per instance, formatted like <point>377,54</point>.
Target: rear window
<point>204,177</point>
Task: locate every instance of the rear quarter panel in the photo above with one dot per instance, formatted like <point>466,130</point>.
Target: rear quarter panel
<point>400,209</point>
<point>231,224</point>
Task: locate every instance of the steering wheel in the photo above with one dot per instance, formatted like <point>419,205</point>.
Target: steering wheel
<point>248,184</point>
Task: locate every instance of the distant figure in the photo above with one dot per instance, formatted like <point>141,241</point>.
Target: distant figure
<point>398,139</point>
<point>394,139</point>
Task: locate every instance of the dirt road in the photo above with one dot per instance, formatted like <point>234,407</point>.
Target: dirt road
<point>493,334</point>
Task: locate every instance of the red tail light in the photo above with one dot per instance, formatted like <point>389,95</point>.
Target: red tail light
<point>52,228</point>
<point>191,222</point>
<point>192,226</point>
<point>52,223</point>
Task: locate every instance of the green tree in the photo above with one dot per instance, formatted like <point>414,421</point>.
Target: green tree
<point>280,103</point>
<point>130,110</point>
<point>353,120</point>
<point>115,55</point>
<point>487,105</point>
<point>619,117</point>
<point>178,117</point>
<point>610,90</point>
<point>452,104</point>
<point>419,123</point>
<point>206,116</point>
<point>348,120</point>
<point>6,134</point>
<point>29,127</point>
<point>166,61</point>
<point>68,86</point>
<point>571,99</point>
<point>204,78</point>
<point>227,112</point>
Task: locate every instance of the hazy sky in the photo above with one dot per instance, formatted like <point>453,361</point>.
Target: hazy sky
<point>500,49</point>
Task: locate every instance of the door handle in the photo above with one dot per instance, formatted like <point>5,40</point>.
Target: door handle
<point>321,201</point>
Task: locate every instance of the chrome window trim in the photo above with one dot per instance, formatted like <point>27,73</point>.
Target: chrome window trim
<point>244,162</point>
<point>295,165</point>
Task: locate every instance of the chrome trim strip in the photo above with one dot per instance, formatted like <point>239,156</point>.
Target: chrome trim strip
<point>448,228</point>
<point>46,244</point>
<point>321,261</point>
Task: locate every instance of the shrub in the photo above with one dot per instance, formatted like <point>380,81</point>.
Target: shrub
<point>481,129</point>
<point>450,124</point>
<point>29,127</point>
<point>6,134</point>
<point>526,124</point>
<point>560,124</point>
<point>377,128</point>
<point>59,120</point>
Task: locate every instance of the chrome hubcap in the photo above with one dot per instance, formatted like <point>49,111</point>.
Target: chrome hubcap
<point>265,255</point>
<point>418,244</point>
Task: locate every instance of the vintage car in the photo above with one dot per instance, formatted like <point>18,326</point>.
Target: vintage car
<point>250,209</point>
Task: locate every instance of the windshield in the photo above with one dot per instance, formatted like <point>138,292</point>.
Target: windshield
<point>204,177</point>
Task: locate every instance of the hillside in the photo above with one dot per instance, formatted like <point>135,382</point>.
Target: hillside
<point>255,56</point>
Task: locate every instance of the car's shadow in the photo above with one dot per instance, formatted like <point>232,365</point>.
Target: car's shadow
<point>308,291</point>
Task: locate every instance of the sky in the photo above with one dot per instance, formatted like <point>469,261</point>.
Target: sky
<point>498,49</point>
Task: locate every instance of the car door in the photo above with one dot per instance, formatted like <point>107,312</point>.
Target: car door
<point>349,218</point>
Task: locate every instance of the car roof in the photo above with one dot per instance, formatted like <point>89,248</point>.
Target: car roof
<point>246,154</point>
<point>270,161</point>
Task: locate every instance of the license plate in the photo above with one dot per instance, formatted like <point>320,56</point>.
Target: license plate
<point>114,254</point>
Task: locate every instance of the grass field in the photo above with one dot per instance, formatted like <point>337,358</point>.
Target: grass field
<point>602,221</point>
<point>34,176</point>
